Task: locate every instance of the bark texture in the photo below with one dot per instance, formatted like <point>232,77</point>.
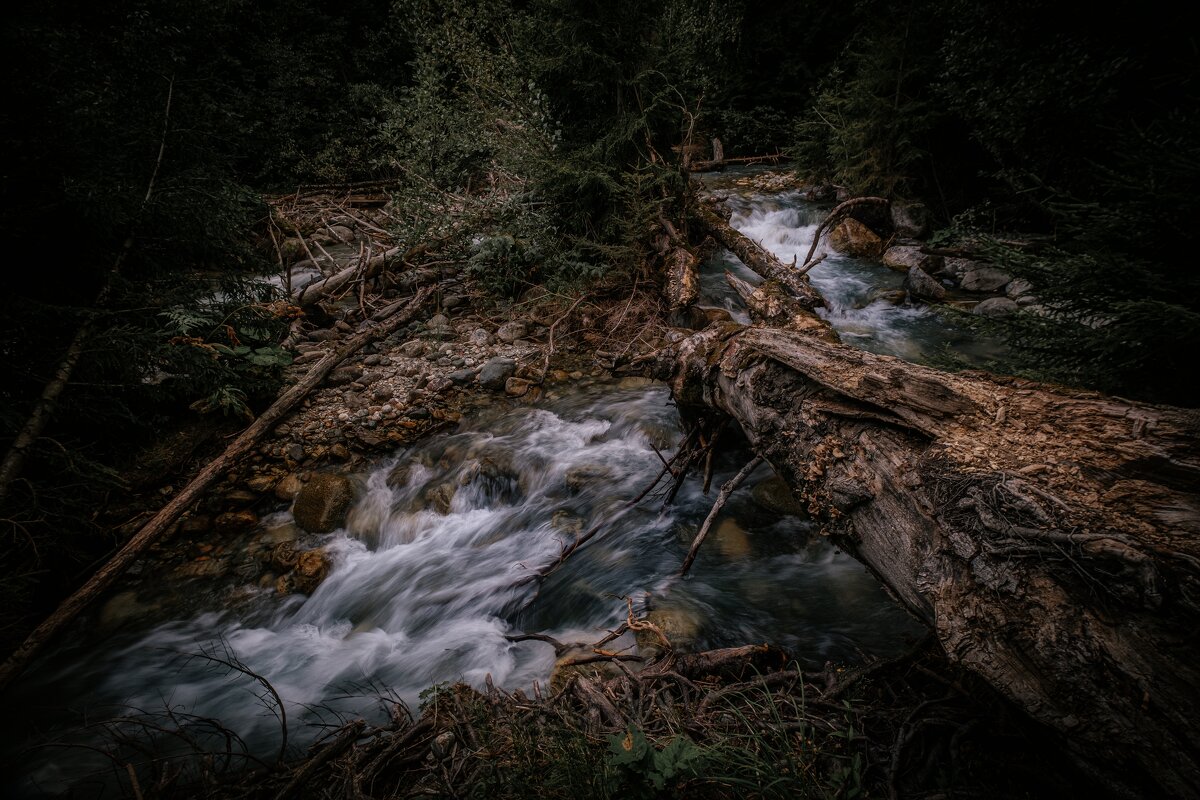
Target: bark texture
<point>1049,537</point>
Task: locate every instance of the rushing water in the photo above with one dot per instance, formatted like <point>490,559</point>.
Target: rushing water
<point>856,290</point>
<point>431,569</point>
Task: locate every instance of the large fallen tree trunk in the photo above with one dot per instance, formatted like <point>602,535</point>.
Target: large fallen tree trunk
<point>1049,537</point>
<point>162,522</point>
<point>756,257</point>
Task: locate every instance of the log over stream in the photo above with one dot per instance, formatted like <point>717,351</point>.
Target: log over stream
<point>1049,537</point>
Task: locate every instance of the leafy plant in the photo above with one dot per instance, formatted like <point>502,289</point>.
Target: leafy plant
<point>645,770</point>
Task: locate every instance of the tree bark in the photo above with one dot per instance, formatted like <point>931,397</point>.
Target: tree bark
<point>1049,537</point>
<point>756,258</point>
<point>162,522</point>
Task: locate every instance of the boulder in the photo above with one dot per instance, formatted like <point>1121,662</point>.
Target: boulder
<point>342,233</point>
<point>496,372</point>
<point>480,337</point>
<point>322,503</point>
<point>904,257</point>
<point>985,279</point>
<point>996,307</point>
<point>892,296</point>
<point>921,285</point>
<point>910,219</point>
<point>855,239</point>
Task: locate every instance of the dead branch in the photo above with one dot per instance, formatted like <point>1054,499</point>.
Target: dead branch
<point>836,214</point>
<point>726,490</point>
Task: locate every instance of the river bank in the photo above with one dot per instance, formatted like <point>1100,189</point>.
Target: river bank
<point>428,557</point>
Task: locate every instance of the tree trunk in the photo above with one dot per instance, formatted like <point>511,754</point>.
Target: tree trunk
<point>756,258</point>
<point>1049,537</point>
<point>162,522</point>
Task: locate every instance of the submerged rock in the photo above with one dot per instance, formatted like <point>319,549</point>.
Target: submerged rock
<point>775,495</point>
<point>322,503</point>
<point>312,567</point>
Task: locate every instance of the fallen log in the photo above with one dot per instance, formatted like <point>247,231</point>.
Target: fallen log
<point>1050,538</point>
<point>161,523</point>
<point>757,258</point>
<point>721,163</point>
<point>318,290</point>
<point>682,288</point>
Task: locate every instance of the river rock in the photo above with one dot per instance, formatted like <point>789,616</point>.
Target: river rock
<point>440,497</point>
<point>892,296</point>
<point>462,377</point>
<point>517,387</point>
<point>121,608</point>
<point>996,307</point>
<point>322,503</point>
<point>480,337</point>
<point>910,219</point>
<point>342,234</point>
<point>904,257</point>
<point>775,495</point>
<point>579,477</point>
<point>312,567</point>
<point>413,349</point>
<point>1017,288</point>
<point>595,671</point>
<point>731,540</point>
<point>921,285</point>
<point>509,332</point>
<point>234,522</point>
<point>496,372</point>
<point>855,239</point>
<point>985,279</point>
<point>681,626</point>
<point>287,487</point>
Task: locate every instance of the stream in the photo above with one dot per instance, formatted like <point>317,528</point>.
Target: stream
<point>429,570</point>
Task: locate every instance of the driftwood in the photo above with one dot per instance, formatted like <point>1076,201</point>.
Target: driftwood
<point>164,520</point>
<point>363,270</point>
<point>1050,538</point>
<point>757,258</point>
